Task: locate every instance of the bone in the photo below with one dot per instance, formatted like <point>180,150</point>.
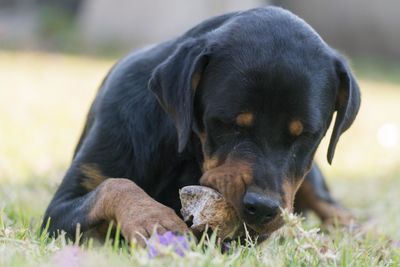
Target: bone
<point>204,206</point>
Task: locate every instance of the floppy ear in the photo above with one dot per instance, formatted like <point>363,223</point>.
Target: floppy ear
<point>347,104</point>
<point>174,83</point>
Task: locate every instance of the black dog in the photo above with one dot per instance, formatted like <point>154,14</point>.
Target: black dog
<point>238,103</point>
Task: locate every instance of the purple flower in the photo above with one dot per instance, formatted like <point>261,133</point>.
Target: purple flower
<point>161,243</point>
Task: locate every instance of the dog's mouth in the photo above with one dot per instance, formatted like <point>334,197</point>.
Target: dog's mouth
<point>259,233</point>
<point>262,230</point>
<point>265,229</point>
<point>233,183</point>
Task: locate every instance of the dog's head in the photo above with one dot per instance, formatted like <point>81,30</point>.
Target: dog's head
<point>260,93</point>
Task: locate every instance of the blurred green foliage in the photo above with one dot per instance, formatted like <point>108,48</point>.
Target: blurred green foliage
<point>58,29</point>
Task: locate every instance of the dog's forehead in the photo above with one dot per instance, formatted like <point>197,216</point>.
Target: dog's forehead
<point>283,87</point>
<point>270,62</point>
<point>267,33</point>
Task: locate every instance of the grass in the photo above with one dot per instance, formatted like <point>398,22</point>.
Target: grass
<point>43,102</point>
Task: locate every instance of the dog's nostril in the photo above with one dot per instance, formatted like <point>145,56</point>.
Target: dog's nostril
<point>251,209</point>
<point>271,213</point>
<point>259,208</point>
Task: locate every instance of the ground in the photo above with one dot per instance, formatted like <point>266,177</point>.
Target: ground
<point>43,102</point>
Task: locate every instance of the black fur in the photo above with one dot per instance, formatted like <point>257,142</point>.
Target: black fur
<point>265,60</point>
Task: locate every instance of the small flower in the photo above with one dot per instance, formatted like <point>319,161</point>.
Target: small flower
<point>160,244</point>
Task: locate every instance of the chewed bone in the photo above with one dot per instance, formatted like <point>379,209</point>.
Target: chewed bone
<point>205,206</point>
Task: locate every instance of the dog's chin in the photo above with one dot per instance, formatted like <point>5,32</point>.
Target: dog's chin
<point>262,232</point>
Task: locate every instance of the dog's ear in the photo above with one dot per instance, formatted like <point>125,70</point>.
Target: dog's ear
<point>174,83</point>
<point>347,104</point>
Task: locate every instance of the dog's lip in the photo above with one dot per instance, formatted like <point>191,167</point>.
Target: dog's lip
<point>267,228</point>
<point>257,230</point>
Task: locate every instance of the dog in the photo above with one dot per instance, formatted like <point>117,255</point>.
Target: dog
<point>239,103</point>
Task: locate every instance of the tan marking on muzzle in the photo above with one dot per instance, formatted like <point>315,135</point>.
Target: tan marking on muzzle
<point>295,127</point>
<point>230,179</point>
<point>245,119</point>
<point>289,190</point>
<point>202,137</point>
<point>92,176</point>
<point>210,163</point>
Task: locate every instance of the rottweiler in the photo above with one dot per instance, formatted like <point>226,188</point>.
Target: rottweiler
<point>238,103</point>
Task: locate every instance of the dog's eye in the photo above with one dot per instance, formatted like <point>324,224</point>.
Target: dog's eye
<point>221,127</point>
<point>218,122</point>
<point>226,128</point>
<point>305,138</point>
<point>301,138</point>
<point>309,135</point>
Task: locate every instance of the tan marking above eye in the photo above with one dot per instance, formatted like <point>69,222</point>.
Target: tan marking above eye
<point>245,119</point>
<point>295,127</point>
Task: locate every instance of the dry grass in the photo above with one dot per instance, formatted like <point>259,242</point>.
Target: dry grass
<point>43,102</point>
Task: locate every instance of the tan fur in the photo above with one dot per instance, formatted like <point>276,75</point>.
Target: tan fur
<point>328,212</point>
<point>295,127</point>
<point>92,176</point>
<point>290,189</point>
<point>122,201</point>
<point>210,163</point>
<point>245,119</point>
<point>230,179</point>
<point>203,137</point>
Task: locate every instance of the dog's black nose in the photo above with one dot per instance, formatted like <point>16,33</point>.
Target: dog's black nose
<point>258,208</point>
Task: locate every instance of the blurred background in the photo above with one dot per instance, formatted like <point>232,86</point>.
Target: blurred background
<point>54,54</point>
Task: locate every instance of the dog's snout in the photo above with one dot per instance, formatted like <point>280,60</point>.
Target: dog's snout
<point>258,208</point>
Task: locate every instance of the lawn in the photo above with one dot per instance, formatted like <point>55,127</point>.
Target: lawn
<point>43,102</point>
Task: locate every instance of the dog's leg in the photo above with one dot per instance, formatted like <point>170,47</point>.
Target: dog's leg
<point>314,195</point>
<point>119,200</point>
<point>88,198</point>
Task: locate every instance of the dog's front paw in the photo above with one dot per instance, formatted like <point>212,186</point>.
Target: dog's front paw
<point>140,221</point>
<point>137,214</point>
